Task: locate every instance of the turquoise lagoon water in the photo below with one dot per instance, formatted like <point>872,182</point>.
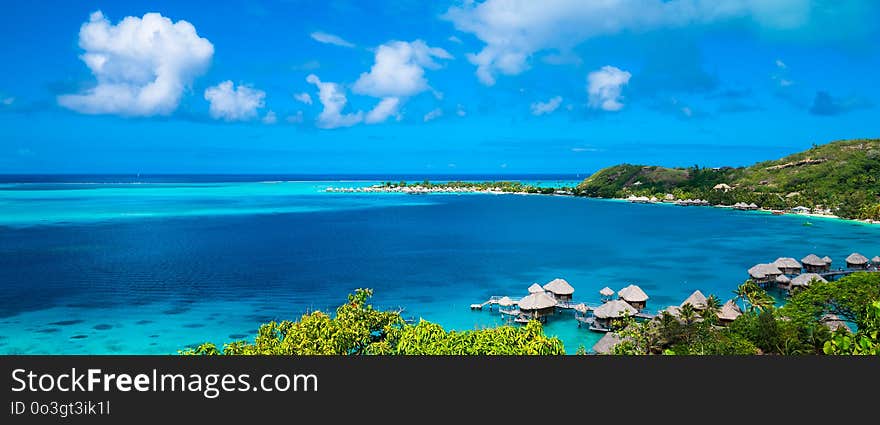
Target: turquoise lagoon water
<point>109,268</point>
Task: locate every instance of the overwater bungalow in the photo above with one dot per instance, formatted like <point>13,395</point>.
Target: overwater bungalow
<point>764,273</point>
<point>804,280</point>
<point>635,296</point>
<point>857,261</point>
<point>783,281</point>
<point>788,265</point>
<point>605,294</point>
<point>613,309</point>
<point>827,260</point>
<point>697,300</point>
<point>560,289</point>
<point>536,289</point>
<point>606,344</point>
<point>729,312</point>
<point>813,264</point>
<point>537,305</point>
<point>876,261</point>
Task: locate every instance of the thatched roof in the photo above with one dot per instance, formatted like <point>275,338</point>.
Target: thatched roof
<point>633,294</point>
<point>876,259</point>
<point>613,308</point>
<point>783,279</point>
<point>806,278</point>
<point>826,259</point>
<point>856,258</point>
<point>559,287</point>
<point>606,343</point>
<point>606,292</point>
<point>729,311</point>
<point>506,302</point>
<point>582,308</point>
<point>813,260</point>
<point>673,310</point>
<point>761,271</point>
<point>697,300</point>
<point>786,263</point>
<point>833,322</point>
<point>536,301</point>
<point>535,289</point>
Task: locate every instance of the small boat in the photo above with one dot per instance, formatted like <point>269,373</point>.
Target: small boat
<point>778,212</point>
<point>807,223</point>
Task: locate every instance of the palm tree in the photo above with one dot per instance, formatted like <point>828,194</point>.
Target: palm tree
<point>713,307</point>
<point>687,313</point>
<point>742,294</point>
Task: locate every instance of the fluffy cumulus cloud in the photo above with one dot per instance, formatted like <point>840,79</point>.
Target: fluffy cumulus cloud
<point>323,37</point>
<point>433,115</point>
<point>303,97</point>
<point>399,69</point>
<point>542,108</point>
<point>142,65</point>
<point>386,107</point>
<point>332,97</point>
<point>514,30</point>
<point>231,103</point>
<point>604,88</point>
<point>270,118</point>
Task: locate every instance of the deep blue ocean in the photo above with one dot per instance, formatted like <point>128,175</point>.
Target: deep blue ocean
<point>150,265</point>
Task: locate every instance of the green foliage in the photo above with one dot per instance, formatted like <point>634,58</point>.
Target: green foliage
<point>865,342</point>
<point>359,329</point>
<point>843,176</point>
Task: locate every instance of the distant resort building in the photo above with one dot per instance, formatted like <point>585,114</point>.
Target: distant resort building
<point>536,289</point>
<point>744,206</point>
<point>634,296</point>
<point>606,313</point>
<point>729,312</point>
<point>813,264</point>
<point>605,294</point>
<point>857,261</point>
<point>788,265</point>
<point>560,289</point>
<point>721,187</point>
<point>800,210</point>
<point>764,273</point>
<point>697,300</point>
<point>804,280</point>
<point>537,305</point>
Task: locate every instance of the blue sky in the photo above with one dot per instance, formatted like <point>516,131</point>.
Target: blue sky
<point>499,86</point>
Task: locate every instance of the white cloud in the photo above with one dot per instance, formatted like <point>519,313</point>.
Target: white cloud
<point>780,64</point>
<point>231,103</point>
<point>541,108</point>
<point>399,69</point>
<point>459,110</point>
<point>384,109</point>
<point>454,39</point>
<point>432,115</point>
<point>604,87</point>
<point>142,65</point>
<point>323,37</point>
<point>270,118</point>
<point>332,96</point>
<point>303,97</point>
<point>295,118</point>
<point>514,30</point>
<point>6,101</point>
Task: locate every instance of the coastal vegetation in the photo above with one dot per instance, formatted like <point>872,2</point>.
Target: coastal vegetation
<point>359,329</point>
<point>842,177</point>
<point>813,321</point>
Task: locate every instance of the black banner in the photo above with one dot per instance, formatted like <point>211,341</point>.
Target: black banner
<point>174,389</point>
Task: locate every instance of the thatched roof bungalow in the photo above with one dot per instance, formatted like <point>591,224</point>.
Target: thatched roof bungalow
<point>536,289</point>
<point>763,273</point>
<point>606,293</point>
<point>537,305</point>
<point>876,260</point>
<point>787,265</point>
<point>804,280</point>
<point>634,295</point>
<point>813,264</point>
<point>613,309</point>
<point>697,300</point>
<point>560,289</point>
<point>827,260</point>
<point>506,302</point>
<point>729,312</point>
<point>856,261</point>
<point>606,344</point>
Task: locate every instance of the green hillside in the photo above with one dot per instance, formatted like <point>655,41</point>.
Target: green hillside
<point>843,176</point>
